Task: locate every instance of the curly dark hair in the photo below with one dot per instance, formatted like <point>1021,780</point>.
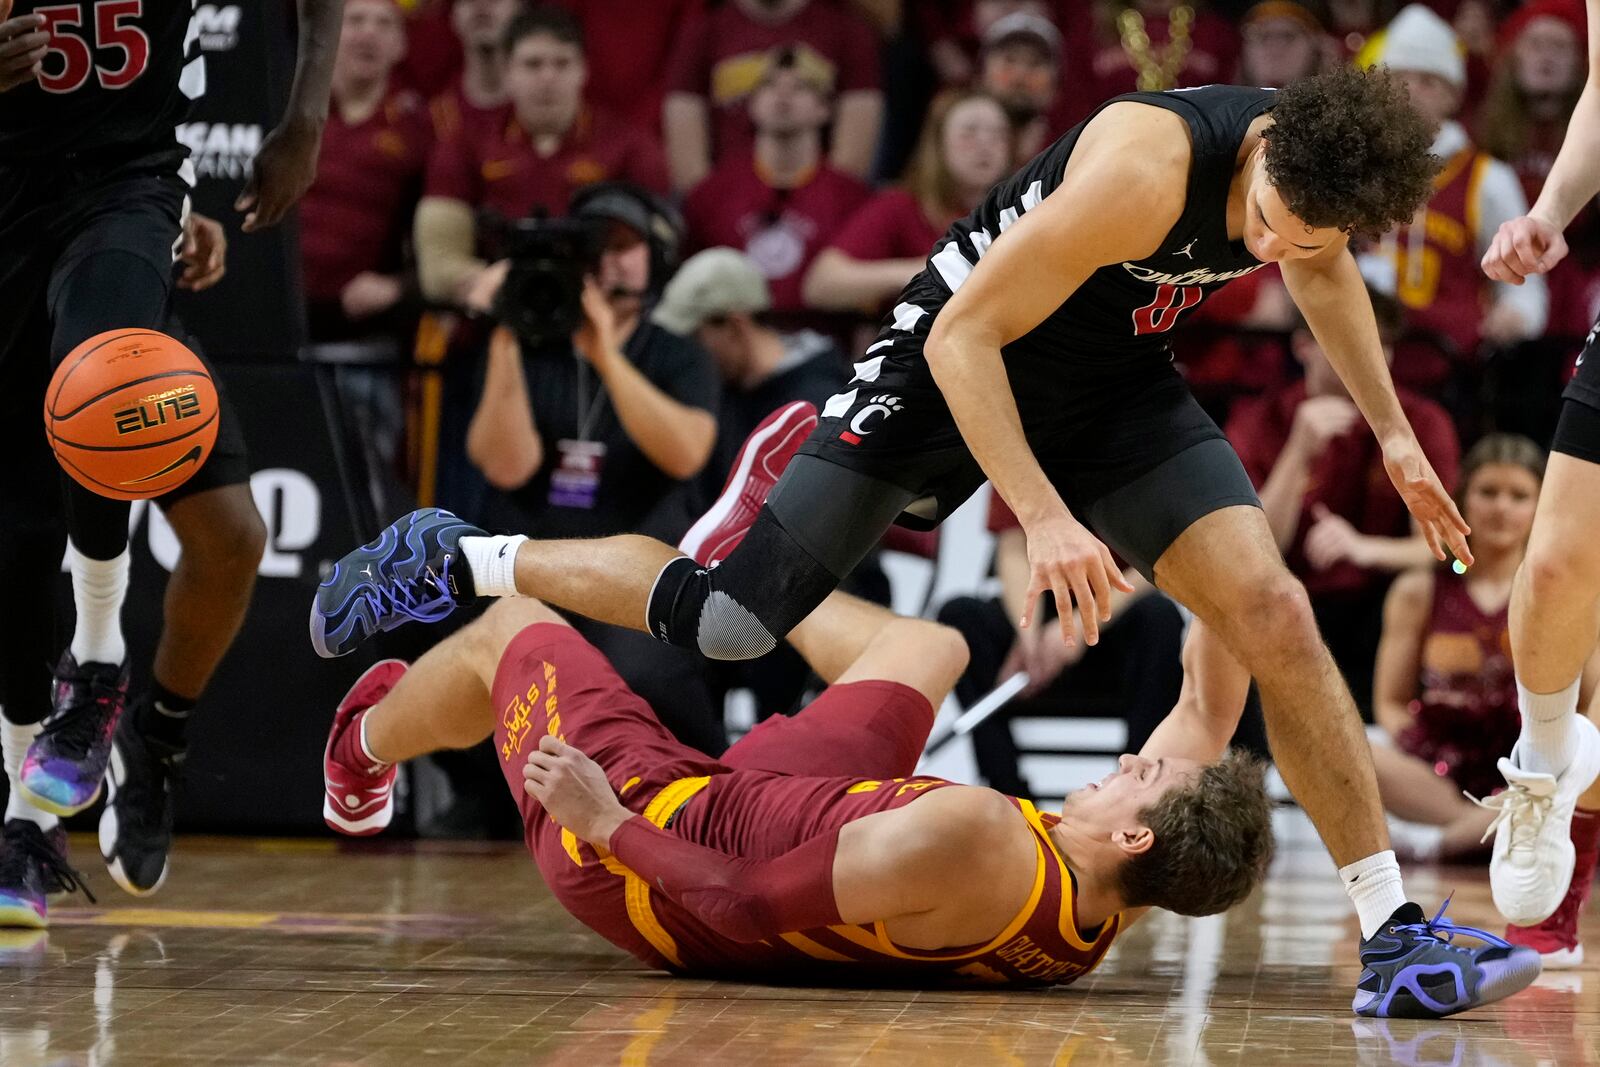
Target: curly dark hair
<point>1213,840</point>
<point>1346,149</point>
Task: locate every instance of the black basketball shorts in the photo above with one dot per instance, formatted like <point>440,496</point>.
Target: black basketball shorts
<point>1578,432</point>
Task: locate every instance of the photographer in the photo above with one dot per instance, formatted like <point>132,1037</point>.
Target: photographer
<point>589,435</point>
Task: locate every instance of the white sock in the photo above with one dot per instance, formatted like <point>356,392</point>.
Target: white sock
<point>1549,739</point>
<point>493,563</point>
<point>14,742</point>
<point>1375,889</point>
<point>98,589</point>
<point>366,749</point>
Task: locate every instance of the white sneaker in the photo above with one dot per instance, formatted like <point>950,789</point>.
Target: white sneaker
<point>1533,854</point>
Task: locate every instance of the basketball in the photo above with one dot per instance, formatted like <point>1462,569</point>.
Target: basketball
<point>131,414</point>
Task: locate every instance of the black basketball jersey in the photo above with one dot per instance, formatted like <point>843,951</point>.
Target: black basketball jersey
<point>1123,310</point>
<point>119,74</point>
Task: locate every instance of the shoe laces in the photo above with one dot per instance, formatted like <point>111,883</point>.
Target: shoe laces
<point>424,598</point>
<point>30,845</point>
<point>1441,929</point>
<point>1522,812</point>
<point>79,726</point>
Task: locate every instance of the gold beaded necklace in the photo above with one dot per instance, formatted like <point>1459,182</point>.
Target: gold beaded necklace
<point>1156,73</point>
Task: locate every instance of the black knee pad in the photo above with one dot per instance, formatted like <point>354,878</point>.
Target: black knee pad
<point>741,608</point>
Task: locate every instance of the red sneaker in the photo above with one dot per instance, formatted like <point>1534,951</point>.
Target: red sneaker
<point>1556,939</point>
<point>764,455</point>
<point>359,800</point>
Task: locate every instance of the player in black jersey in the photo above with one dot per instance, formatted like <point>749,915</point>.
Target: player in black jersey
<point>1033,350</point>
<point>93,207</point>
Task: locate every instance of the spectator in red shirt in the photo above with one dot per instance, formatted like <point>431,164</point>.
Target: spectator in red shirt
<point>721,60</point>
<point>1327,497</point>
<point>1282,41</point>
<point>1020,64</point>
<point>475,99</point>
<point>547,145</point>
<point>631,52</point>
<point>781,201</point>
<point>355,216</point>
<point>964,149</point>
<point>1537,76</point>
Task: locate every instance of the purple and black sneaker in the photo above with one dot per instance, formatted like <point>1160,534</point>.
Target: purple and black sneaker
<point>1415,971</point>
<point>33,864</point>
<point>65,767</point>
<point>413,572</point>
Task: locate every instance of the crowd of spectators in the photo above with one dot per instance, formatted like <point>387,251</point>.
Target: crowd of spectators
<point>767,174</point>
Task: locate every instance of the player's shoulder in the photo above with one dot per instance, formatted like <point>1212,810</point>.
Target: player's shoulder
<point>1154,138</point>
<point>968,814</point>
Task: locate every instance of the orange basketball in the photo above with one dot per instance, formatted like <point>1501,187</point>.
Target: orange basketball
<point>131,414</point>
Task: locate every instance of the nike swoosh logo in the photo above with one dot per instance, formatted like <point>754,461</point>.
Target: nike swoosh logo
<point>502,550</point>
<point>191,456</point>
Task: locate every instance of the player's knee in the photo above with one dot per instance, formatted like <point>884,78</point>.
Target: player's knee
<point>694,607</point>
<point>221,531</point>
<point>1275,610</point>
<point>1553,574</point>
<point>944,646</point>
<point>509,616</point>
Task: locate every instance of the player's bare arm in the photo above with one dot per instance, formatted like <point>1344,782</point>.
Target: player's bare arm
<point>286,165</point>
<point>1329,291</point>
<point>1123,190</point>
<point>23,45</point>
<point>1533,244</point>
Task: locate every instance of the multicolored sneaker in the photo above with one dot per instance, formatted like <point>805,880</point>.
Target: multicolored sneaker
<point>413,572</point>
<point>358,799</point>
<point>65,767</point>
<point>1415,971</point>
<point>761,461</point>
<point>136,825</point>
<point>33,864</point>
<point>1556,939</point>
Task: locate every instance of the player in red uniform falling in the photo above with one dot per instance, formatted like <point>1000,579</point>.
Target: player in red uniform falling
<point>812,843</point>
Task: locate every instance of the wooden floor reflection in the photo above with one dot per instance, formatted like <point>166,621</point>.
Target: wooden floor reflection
<point>313,953</point>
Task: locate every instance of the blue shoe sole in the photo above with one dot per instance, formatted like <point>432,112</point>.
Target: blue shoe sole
<point>1500,979</point>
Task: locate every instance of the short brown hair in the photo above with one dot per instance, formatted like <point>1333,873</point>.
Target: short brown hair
<point>1213,841</point>
<point>1346,150</point>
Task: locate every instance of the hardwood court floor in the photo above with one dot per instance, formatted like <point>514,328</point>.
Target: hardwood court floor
<point>313,953</point>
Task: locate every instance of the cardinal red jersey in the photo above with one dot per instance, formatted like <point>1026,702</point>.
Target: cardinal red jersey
<point>551,681</point>
<point>498,166</point>
<point>356,215</point>
<point>780,229</point>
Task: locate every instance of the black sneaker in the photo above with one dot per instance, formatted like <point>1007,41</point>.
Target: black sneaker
<point>33,864</point>
<point>136,825</point>
<point>65,766</point>
<point>1415,971</point>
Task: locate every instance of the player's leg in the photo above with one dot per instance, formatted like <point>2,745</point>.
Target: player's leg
<point>887,677</point>
<point>1555,618</point>
<point>114,272</point>
<point>1191,522</point>
<point>857,473</point>
<point>222,537</point>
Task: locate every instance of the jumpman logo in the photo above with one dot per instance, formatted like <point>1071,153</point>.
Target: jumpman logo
<point>1188,249</point>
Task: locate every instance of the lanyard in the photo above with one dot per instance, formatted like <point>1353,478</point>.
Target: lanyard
<point>588,409</point>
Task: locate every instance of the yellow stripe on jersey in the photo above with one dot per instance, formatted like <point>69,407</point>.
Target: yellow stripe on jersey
<point>815,950</point>
<point>1067,921</point>
<point>636,891</point>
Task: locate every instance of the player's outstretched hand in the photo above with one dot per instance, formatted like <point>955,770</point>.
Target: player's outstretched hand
<point>573,790</point>
<point>1523,246</point>
<point>205,253</point>
<point>1425,497</point>
<point>23,45</point>
<point>283,170</point>
<point>1068,560</point>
